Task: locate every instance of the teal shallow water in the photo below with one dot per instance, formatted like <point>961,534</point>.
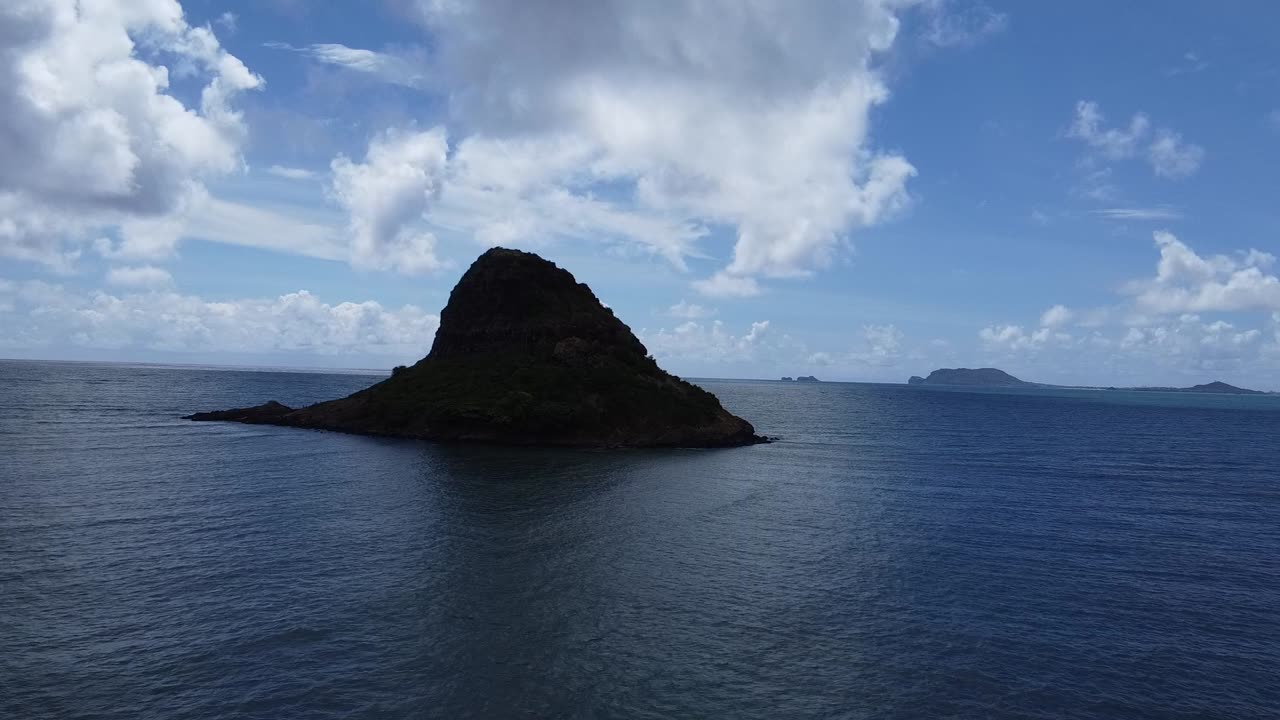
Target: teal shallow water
<point>900,553</point>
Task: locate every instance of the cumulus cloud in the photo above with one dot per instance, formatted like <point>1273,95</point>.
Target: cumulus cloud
<point>386,196</point>
<point>1196,344</point>
<point>90,132</point>
<point>949,26</point>
<point>690,311</point>
<point>1113,143</point>
<point>725,285</point>
<point>1013,338</point>
<point>708,342</point>
<point>228,21</point>
<point>45,315</point>
<point>753,117</point>
<point>1171,157</point>
<point>143,276</point>
<point>883,345</point>
<point>1056,316</point>
<point>1187,282</point>
<point>1169,327</point>
<point>291,173</point>
<point>879,346</point>
<point>1168,154</point>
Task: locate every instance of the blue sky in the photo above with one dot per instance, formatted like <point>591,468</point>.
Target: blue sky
<point>1077,193</point>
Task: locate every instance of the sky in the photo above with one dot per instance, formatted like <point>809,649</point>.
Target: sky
<point>864,190</point>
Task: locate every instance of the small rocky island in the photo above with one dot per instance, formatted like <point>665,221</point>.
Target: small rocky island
<point>801,379</point>
<point>524,355</point>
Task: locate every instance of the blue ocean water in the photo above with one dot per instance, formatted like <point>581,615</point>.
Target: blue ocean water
<point>899,553</point>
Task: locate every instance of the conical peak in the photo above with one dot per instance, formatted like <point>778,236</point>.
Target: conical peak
<point>515,301</point>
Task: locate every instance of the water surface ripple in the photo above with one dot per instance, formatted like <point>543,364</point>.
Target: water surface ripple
<point>900,553</point>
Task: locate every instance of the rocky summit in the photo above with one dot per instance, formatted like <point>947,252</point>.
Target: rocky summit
<point>525,355</point>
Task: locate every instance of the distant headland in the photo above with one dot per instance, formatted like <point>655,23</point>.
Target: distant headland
<point>524,355</point>
<point>993,377</point>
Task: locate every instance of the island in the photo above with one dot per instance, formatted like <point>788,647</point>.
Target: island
<point>1216,386</point>
<point>524,355</point>
<point>992,377</point>
<point>986,377</point>
<point>802,378</point>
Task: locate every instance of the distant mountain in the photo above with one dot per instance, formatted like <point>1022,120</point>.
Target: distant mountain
<point>985,377</point>
<point>991,377</point>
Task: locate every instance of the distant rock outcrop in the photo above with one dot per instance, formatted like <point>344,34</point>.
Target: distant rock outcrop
<point>985,377</point>
<point>525,355</point>
<point>802,378</point>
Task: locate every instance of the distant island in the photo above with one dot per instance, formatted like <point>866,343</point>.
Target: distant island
<point>1213,387</point>
<point>987,377</point>
<point>802,378</point>
<point>524,355</point>
<point>993,377</point>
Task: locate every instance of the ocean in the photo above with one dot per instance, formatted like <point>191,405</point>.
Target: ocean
<point>899,552</point>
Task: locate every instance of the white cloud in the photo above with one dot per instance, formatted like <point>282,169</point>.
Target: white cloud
<point>724,285</point>
<point>1257,258</point>
<point>530,191</point>
<point>227,21</point>
<point>396,68</point>
<point>883,342</point>
<point>1186,282</point>
<point>1097,184</point>
<point>690,311</point>
<point>291,173</point>
<point>1193,343</point>
<point>1139,213</point>
<point>1013,338</point>
<point>1056,316</point>
<point>1191,63</point>
<point>708,342</point>
<point>1168,154</point>
<point>90,134</point>
<point>143,276</point>
<point>758,329</point>
<point>283,229</point>
<point>1114,143</point>
<point>1167,333</point>
<point>1170,157</point>
<point>881,347</point>
<point>753,117</point>
<point>963,27</point>
<point>386,197</point>
<point>50,315</point>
